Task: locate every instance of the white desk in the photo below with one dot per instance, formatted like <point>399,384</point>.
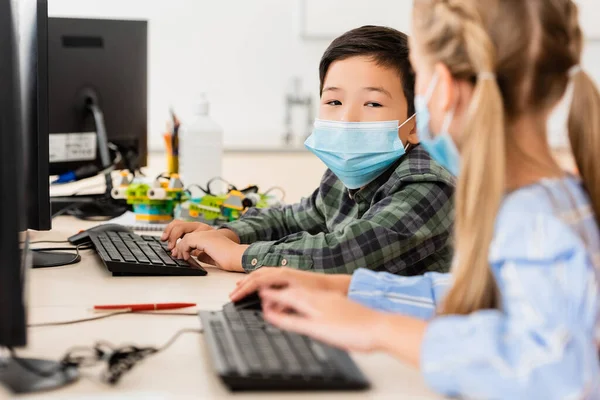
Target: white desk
<point>183,370</point>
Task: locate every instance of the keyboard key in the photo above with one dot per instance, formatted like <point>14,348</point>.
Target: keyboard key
<point>115,256</point>
<point>252,320</point>
<point>124,251</point>
<point>273,365</point>
<point>162,254</point>
<point>224,350</point>
<point>154,246</point>
<point>248,350</point>
<point>112,252</point>
<point>292,364</point>
<point>181,263</point>
<point>154,259</point>
<point>318,351</point>
<point>310,363</point>
<point>100,250</point>
<point>167,260</point>
<point>234,319</point>
<point>149,238</point>
<point>139,254</point>
<point>330,369</point>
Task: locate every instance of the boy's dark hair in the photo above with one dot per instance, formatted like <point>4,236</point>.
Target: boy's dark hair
<point>387,46</point>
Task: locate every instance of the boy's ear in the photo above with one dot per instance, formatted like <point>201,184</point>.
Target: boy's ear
<point>412,138</point>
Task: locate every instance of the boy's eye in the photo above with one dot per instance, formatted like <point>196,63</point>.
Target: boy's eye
<point>334,103</point>
<point>373,104</point>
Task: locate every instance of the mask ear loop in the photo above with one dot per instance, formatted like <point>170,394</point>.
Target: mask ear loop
<point>432,86</point>
<point>450,115</point>
<point>448,120</point>
<point>407,145</point>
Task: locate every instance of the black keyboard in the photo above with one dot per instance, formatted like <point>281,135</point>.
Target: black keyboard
<point>129,254</point>
<point>250,354</point>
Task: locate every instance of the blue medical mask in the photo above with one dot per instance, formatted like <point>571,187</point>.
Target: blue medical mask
<point>441,147</point>
<point>356,152</point>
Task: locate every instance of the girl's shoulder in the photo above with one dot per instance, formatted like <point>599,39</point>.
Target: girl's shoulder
<point>545,222</point>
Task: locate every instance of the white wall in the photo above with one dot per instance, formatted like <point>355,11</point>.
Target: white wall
<point>243,53</point>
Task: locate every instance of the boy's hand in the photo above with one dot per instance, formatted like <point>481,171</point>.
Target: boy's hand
<point>178,229</point>
<point>274,277</point>
<point>212,245</point>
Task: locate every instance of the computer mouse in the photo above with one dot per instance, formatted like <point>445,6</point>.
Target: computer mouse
<point>84,236</point>
<point>250,302</point>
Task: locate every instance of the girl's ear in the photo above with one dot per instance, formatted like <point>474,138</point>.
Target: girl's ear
<point>444,97</point>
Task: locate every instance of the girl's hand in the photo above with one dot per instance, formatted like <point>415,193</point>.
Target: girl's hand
<point>275,277</point>
<point>324,315</point>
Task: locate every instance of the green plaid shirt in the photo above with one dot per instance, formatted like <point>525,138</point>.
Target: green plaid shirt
<point>400,223</point>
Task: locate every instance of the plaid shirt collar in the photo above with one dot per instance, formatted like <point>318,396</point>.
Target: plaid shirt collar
<point>403,168</point>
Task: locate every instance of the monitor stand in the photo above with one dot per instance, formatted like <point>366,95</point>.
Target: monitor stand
<point>21,380</point>
<point>99,205</point>
<point>48,259</point>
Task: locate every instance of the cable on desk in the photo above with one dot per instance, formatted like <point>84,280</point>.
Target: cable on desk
<point>119,359</point>
<point>77,321</point>
<point>97,212</point>
<point>196,186</point>
<point>103,210</point>
<point>230,186</point>
<point>48,241</point>
<point>63,210</point>
<point>125,358</point>
<point>76,255</point>
<point>103,316</point>
<point>280,189</point>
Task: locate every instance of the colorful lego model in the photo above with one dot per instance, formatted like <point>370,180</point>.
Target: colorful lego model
<point>233,206</point>
<point>153,204</point>
<point>215,210</point>
<point>205,209</point>
<point>120,192</point>
<point>167,197</point>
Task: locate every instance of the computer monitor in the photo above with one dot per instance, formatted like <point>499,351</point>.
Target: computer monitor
<point>12,190</point>
<point>102,62</point>
<point>19,191</point>
<point>32,64</point>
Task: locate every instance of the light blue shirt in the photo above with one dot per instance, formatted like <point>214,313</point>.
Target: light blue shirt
<point>545,258</point>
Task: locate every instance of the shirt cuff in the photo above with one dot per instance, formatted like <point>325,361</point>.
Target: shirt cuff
<point>434,355</point>
<point>243,230</point>
<point>366,289</point>
<point>362,279</point>
<point>264,254</point>
<point>394,294</point>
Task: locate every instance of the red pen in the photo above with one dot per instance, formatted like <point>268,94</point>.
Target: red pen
<point>144,307</point>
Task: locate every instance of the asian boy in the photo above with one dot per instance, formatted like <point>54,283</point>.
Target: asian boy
<point>383,203</point>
